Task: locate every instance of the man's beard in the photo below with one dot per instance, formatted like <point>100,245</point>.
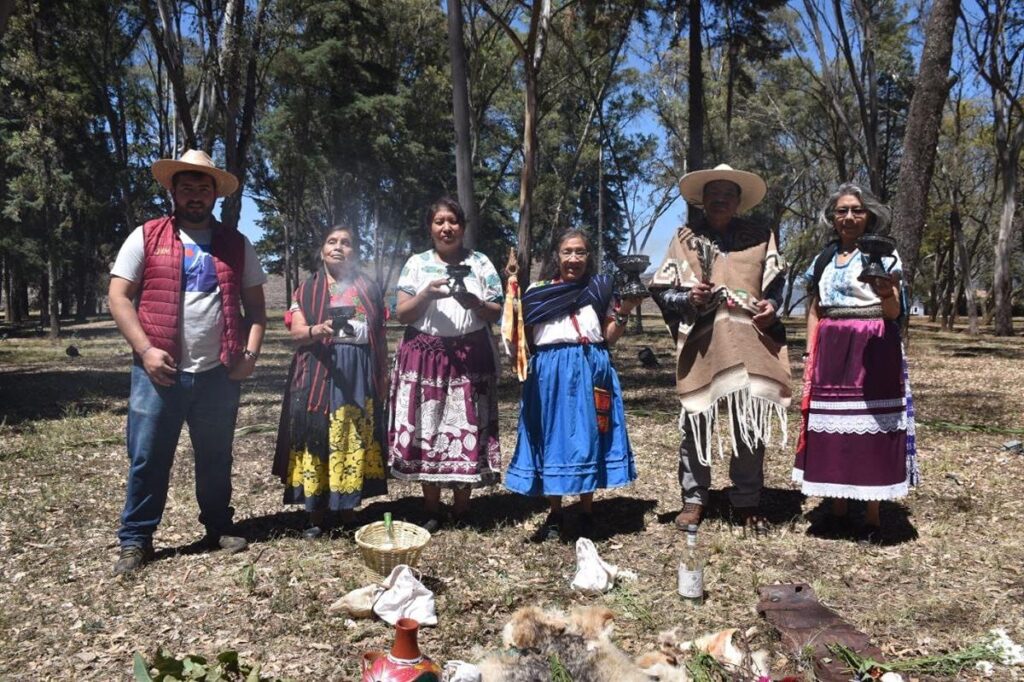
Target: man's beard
<point>193,215</point>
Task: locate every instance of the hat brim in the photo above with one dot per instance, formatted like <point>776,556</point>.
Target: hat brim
<point>752,187</point>
<point>165,169</point>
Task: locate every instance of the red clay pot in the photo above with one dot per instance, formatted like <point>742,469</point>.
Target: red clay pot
<point>405,663</point>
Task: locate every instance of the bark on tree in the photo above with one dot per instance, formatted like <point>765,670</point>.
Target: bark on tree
<point>9,309</point>
<point>1001,282</point>
<point>948,306</point>
<point>922,133</point>
<point>461,115</point>
<point>695,100</point>
<point>52,279</point>
<point>936,289</point>
<point>965,276</point>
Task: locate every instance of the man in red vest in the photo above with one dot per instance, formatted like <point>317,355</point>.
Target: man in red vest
<point>177,292</point>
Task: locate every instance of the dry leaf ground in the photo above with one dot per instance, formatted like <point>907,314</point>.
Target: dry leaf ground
<point>951,571</point>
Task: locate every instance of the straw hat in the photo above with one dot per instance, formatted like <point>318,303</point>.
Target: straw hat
<point>752,187</point>
<point>199,162</point>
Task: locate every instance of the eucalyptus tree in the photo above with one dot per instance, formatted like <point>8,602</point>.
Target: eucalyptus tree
<point>530,48</point>
<point>922,131</point>
<point>994,34</point>
<point>857,52</point>
<point>216,56</point>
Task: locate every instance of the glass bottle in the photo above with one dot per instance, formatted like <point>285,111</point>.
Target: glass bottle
<point>389,532</point>
<point>691,569</point>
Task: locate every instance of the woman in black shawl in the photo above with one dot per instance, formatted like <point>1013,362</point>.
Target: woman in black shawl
<point>329,445</point>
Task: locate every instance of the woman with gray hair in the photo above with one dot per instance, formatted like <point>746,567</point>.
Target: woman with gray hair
<point>857,436</point>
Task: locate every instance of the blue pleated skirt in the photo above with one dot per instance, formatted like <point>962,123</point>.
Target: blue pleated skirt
<point>559,450</point>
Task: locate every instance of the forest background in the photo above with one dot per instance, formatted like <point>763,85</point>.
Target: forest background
<point>566,113</point>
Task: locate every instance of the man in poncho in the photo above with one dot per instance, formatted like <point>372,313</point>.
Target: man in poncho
<point>719,288</point>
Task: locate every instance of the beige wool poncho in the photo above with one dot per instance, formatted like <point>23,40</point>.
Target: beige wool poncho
<point>722,358</point>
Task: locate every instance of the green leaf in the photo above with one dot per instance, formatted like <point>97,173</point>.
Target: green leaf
<point>139,669</point>
<point>194,668</point>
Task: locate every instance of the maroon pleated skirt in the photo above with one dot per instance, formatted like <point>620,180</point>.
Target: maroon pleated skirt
<point>854,443</point>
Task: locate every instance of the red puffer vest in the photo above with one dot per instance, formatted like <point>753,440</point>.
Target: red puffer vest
<point>160,294</point>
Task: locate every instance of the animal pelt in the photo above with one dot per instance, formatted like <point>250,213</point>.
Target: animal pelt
<point>537,642</point>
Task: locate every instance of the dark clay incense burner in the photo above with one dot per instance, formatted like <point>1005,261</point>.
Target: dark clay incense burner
<point>873,248</point>
<point>456,279</point>
<point>340,316</point>
<point>632,267</point>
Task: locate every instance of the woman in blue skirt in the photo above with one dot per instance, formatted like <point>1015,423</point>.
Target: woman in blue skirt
<point>572,427</point>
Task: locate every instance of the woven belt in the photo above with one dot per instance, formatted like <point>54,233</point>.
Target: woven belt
<point>871,312</point>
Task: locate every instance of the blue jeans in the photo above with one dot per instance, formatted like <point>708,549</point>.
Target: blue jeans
<point>208,403</point>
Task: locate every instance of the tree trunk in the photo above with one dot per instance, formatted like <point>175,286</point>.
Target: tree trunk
<point>933,296</point>
<point>6,289</point>
<point>600,203</point>
<point>53,284</point>
<point>527,177</point>
<point>922,133</point>
<point>949,285</point>
<point>460,111</point>
<point>1001,282</point>
<point>531,53</point>
<point>17,297</point>
<point>288,228</point>
<point>695,153</point>
<point>167,46</point>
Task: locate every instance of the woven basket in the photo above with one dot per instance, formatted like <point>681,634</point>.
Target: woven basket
<point>409,541</point>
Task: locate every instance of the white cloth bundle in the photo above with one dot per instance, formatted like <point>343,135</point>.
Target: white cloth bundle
<point>594,574</point>
<point>405,596</point>
<point>359,602</point>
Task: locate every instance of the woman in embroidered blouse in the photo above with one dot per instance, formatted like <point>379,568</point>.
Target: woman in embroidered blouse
<point>572,429</point>
<point>329,445</point>
<point>443,429</point>
<point>857,438</point>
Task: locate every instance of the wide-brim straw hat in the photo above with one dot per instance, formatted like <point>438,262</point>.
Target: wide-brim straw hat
<point>752,186</point>
<point>196,161</point>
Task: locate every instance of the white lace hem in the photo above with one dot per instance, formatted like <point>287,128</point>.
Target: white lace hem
<point>857,423</point>
<point>857,404</point>
<point>867,493</point>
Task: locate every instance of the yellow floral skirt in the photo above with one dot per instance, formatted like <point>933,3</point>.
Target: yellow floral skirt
<point>353,469</point>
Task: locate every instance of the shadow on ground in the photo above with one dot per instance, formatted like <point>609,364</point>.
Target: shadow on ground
<point>896,526</point>
<point>30,396</point>
<point>780,506</point>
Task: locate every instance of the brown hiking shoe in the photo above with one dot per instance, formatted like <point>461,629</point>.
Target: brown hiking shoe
<point>131,559</point>
<point>229,544</point>
<point>690,516</point>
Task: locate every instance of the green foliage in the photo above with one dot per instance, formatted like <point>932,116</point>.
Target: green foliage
<point>704,668</point>
<point>947,665</point>
<point>558,671</point>
<point>226,667</point>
